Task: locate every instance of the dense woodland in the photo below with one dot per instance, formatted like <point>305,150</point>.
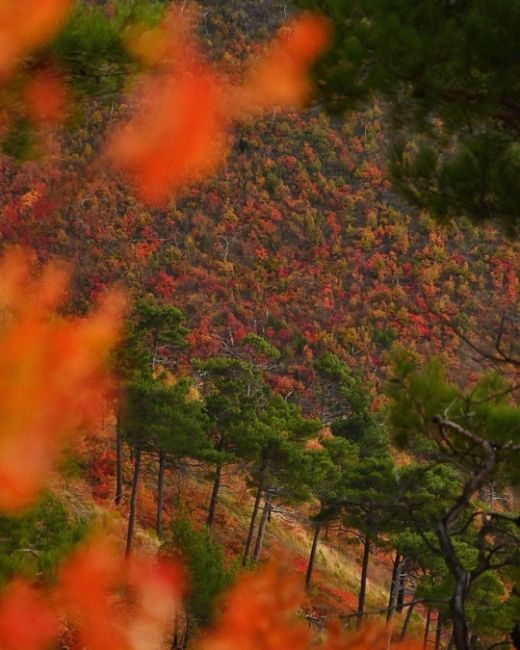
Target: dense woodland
<point>259,358</point>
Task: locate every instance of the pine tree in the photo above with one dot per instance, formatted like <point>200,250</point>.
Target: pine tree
<point>234,395</point>
<point>367,492</point>
<point>449,71</point>
<point>209,574</point>
<point>328,467</point>
<point>476,432</point>
<point>281,462</point>
<point>151,330</point>
<point>184,433</point>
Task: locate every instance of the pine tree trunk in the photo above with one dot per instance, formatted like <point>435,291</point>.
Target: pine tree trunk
<point>460,628</point>
<point>261,528</point>
<point>438,632</point>
<point>133,498</point>
<point>451,642</point>
<point>363,585</point>
<point>427,628</point>
<point>254,514</point>
<point>310,565</point>
<point>160,490</point>
<point>407,620</point>
<point>402,588</point>
<point>119,463</point>
<point>214,495</point>
<point>394,584</point>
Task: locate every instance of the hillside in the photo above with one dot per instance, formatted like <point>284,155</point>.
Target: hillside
<point>306,282</point>
<point>298,238</point>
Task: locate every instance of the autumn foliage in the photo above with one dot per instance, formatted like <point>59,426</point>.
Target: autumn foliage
<point>130,605</point>
<point>184,108</point>
<point>54,378</point>
<point>46,97</point>
<point>106,601</point>
<point>21,602</point>
<point>261,613</point>
<point>25,26</point>
<point>53,373</point>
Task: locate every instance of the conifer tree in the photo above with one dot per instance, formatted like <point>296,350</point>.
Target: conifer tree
<point>184,433</point>
<point>449,74</point>
<point>234,395</point>
<point>367,492</point>
<point>209,574</point>
<point>328,468</point>
<point>280,460</point>
<point>475,431</point>
<point>152,329</point>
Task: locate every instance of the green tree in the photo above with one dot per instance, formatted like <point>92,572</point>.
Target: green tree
<point>343,396</point>
<point>476,431</point>
<point>209,574</point>
<point>184,433</point>
<point>33,543</point>
<point>367,493</point>
<point>153,334</point>
<point>234,395</point>
<point>328,467</point>
<point>162,418</point>
<point>425,490</point>
<point>450,74</point>
<point>368,485</point>
<point>281,463</point>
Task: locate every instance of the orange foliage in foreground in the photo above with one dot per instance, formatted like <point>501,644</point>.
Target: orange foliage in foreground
<point>46,97</point>
<point>53,374</point>
<point>260,613</point>
<point>118,603</point>
<point>184,109</point>
<point>279,77</point>
<point>26,25</point>
<point>26,619</point>
<point>131,606</point>
<point>111,603</point>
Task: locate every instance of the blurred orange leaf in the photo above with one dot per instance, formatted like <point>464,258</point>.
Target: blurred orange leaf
<point>177,135</point>
<point>53,375</point>
<point>131,605</point>
<point>183,109</point>
<point>259,613</point>
<point>26,620</point>
<point>46,97</point>
<point>25,26</point>
<point>116,603</point>
<point>112,603</point>
<point>278,78</point>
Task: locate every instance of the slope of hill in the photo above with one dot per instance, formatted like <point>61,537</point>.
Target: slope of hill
<point>298,239</point>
